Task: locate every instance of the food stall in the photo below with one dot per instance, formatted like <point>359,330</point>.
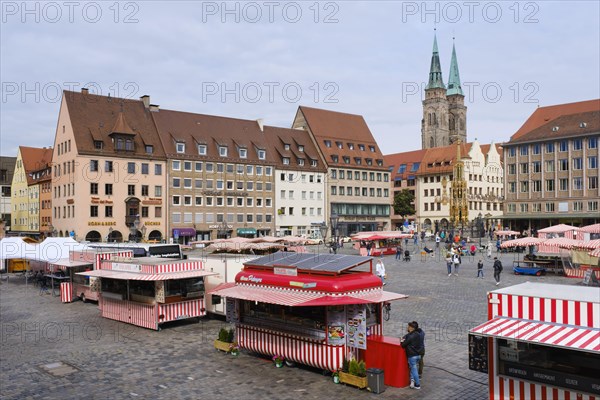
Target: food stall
<point>542,341</point>
<point>382,242</point>
<point>311,309</point>
<point>148,291</point>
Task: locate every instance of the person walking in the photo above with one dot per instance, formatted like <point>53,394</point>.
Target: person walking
<point>437,241</point>
<point>489,250</point>
<point>422,236</point>
<point>456,262</point>
<point>497,270</point>
<point>405,242</point>
<point>398,251</point>
<point>422,352</point>
<point>449,263</point>
<point>480,268</point>
<point>411,343</point>
<point>369,247</point>
<point>380,270</point>
<point>416,239</point>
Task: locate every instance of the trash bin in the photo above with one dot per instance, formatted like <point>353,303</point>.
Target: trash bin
<point>375,380</point>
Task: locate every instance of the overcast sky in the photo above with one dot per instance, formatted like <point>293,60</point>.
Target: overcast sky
<point>264,59</point>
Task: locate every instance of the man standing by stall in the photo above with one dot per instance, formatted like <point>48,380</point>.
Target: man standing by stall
<point>411,342</point>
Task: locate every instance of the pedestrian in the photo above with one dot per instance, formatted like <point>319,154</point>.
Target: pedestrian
<point>497,270</point>
<point>415,239</point>
<point>498,243</point>
<point>422,352</point>
<point>449,263</point>
<point>405,242</point>
<point>369,247</point>
<point>489,250</point>
<point>437,241</point>
<point>398,251</point>
<point>456,262</point>
<point>380,271</point>
<point>422,236</point>
<point>480,268</point>
<point>411,343</point>
<point>473,249</point>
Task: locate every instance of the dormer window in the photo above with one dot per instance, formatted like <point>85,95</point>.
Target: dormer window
<point>327,143</point>
<point>180,147</point>
<point>120,144</point>
<point>313,163</point>
<point>300,148</point>
<point>98,144</point>
<point>223,151</point>
<point>149,149</point>
<point>202,149</point>
<point>369,161</point>
<point>286,146</point>
<point>361,147</point>
<point>380,163</point>
<point>346,160</point>
<point>339,145</point>
<point>128,145</point>
<point>262,154</point>
<point>358,160</point>
<point>286,161</point>
<point>372,148</point>
<point>301,161</point>
<point>351,146</point>
<point>334,158</point>
<point>243,153</point>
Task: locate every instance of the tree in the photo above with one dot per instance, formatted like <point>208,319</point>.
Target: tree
<point>403,203</point>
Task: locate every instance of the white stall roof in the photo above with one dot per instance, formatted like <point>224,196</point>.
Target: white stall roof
<point>50,250</point>
<point>553,291</point>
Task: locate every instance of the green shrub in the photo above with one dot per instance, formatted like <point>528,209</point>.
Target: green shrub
<point>362,369</point>
<point>353,367</point>
<point>223,335</point>
<point>345,365</point>
<point>230,336</point>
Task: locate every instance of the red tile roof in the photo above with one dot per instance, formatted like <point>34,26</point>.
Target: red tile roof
<point>393,161</point>
<point>35,159</point>
<point>347,129</point>
<point>543,115</point>
<point>564,126</point>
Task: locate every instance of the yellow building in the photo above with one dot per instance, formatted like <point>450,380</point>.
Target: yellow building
<point>25,188</point>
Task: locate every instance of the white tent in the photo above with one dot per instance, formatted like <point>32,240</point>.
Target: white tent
<point>50,250</point>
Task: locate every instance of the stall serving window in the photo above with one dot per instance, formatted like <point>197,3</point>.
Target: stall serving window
<point>114,288</point>
<point>302,321</point>
<point>142,291</point>
<point>565,368</point>
<point>185,288</point>
<point>80,279</point>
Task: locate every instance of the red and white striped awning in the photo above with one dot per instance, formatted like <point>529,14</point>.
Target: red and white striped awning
<point>295,297</point>
<point>590,244</point>
<point>136,276</point>
<point>562,242</point>
<point>543,333</point>
<point>506,233</point>
<point>590,229</point>
<point>522,242</point>
<point>595,253</point>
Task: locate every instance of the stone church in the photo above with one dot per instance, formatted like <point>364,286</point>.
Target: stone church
<point>444,113</point>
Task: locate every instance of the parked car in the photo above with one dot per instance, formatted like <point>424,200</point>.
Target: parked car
<point>346,239</point>
<point>313,241</point>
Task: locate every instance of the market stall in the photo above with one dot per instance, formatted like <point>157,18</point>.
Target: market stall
<point>311,309</point>
<point>148,291</point>
<point>382,242</point>
<point>542,341</point>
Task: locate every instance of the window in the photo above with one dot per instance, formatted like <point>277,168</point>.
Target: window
<point>286,160</point>
<point>549,165</point>
<point>592,162</point>
<point>536,186</point>
<point>592,143</point>
<point>98,144</point>
<point>512,169</point>
<point>202,149</point>
<point>372,148</point>
<point>339,145</point>
<point>149,149</point>
<point>578,206</point>
<point>130,168</point>
<point>145,168</point>
<point>176,217</point>
<point>550,185</point>
<point>157,169</point>
<point>512,187</point>
<point>249,201</point>
<point>108,189</point>
<point>563,184</point>
<point>93,188</point>
<point>286,146</point>
<point>176,200</point>
<point>262,154</point>
<point>108,166</point>
<point>180,147</point>
<point>524,168</point>
<point>94,165</point>
<point>220,168</point>
<point>593,205</point>
<point>536,148</point>
<point>187,200</point>
<point>524,150</point>
<point>145,190</point>
<point>243,153</point>
<point>577,144</point>
<point>249,169</point>
<point>131,190</point>
<point>549,147</point>
<point>327,143</point>
<point>577,183</point>
<point>577,163</point>
<point>268,171</point>
<point>187,183</point>
<point>549,207</point>
<point>210,167</point>
<point>537,166</point>
<point>198,166</point>
<point>524,207</point>
<point>524,186</point>
<point>300,148</point>
<point>157,191</point>
<point>563,164</point>
<point>259,170</point>
<point>223,151</point>
<point>592,182</point>
<point>512,151</point>
<point>145,212</point>
<point>176,182</point>
<point>563,145</point>
<point>93,211</point>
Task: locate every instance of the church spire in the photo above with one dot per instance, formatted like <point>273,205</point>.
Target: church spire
<point>454,79</point>
<point>435,71</point>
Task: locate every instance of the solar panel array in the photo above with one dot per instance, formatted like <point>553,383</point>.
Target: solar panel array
<point>310,262</point>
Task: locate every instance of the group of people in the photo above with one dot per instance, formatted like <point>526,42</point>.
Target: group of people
<point>414,345</point>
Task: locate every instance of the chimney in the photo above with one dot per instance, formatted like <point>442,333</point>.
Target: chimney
<point>260,123</point>
<point>84,90</point>
<point>146,100</point>
<point>153,107</point>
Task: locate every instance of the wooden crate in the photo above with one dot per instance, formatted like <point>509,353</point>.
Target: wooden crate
<point>223,346</point>
<point>353,380</point>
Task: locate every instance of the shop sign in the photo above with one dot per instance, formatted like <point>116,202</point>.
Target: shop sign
<point>303,285</point>
<point>101,223</point>
<point>221,193</point>
<point>285,271</point>
<point>152,201</point>
<point>126,267</point>
<point>152,223</point>
<point>219,226</point>
<point>96,200</point>
<point>251,278</point>
<point>356,336</point>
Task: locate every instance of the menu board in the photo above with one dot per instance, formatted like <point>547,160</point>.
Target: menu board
<point>478,353</point>
<point>336,325</point>
<point>232,313</point>
<point>356,335</point>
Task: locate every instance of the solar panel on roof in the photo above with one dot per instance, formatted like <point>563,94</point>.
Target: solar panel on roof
<point>310,262</point>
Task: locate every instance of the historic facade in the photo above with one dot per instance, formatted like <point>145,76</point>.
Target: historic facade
<point>444,112</point>
<point>551,167</point>
<point>7,168</point>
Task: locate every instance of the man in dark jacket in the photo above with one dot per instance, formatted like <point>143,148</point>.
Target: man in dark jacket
<point>497,270</point>
<point>422,352</point>
<point>411,342</point>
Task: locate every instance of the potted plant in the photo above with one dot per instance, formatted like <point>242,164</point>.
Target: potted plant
<point>224,341</point>
<point>278,360</point>
<point>356,374</point>
<point>234,349</point>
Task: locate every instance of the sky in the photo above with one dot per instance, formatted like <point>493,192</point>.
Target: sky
<point>264,59</point>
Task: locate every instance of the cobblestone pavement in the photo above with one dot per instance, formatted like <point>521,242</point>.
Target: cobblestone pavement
<point>112,360</point>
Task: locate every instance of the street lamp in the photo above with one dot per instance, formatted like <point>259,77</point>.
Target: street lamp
<point>110,231</point>
<point>333,220</point>
<point>323,230</point>
<point>480,227</point>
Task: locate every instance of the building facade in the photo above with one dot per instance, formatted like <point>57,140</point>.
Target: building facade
<point>42,182</point>
<point>357,181</point>
<point>444,112</point>
<point>7,169</point>
<point>109,170</point>
<point>551,168</point>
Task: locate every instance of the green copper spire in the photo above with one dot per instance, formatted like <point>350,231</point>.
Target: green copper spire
<point>454,80</point>
<point>435,72</point>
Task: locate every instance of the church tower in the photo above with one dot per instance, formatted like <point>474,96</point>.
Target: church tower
<point>434,125</point>
<point>457,112</point>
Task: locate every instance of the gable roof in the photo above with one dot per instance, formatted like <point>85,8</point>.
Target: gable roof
<point>35,159</point>
<point>393,161</point>
<point>543,115</point>
<point>96,118</point>
<point>564,126</point>
<point>346,129</point>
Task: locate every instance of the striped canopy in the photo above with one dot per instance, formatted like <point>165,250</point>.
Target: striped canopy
<point>560,228</point>
<point>590,244</point>
<point>590,229</point>
<point>522,242</point>
<point>562,242</point>
<point>595,253</point>
<point>506,233</point>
